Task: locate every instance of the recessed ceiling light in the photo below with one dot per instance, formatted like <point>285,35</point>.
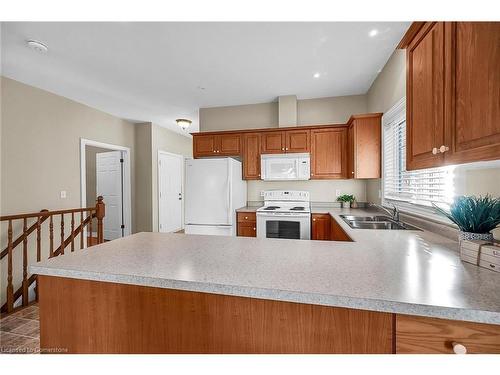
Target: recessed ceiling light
<point>316,75</point>
<point>373,33</point>
<point>37,46</point>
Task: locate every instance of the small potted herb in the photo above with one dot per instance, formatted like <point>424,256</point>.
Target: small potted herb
<point>476,217</point>
<point>345,200</point>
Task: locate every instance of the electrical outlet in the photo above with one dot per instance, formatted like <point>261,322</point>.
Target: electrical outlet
<point>337,193</point>
<point>63,194</point>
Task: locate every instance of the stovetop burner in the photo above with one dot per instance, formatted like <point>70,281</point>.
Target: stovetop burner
<point>271,208</point>
<point>298,208</point>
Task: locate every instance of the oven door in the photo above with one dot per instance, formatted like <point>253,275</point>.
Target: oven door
<point>282,225</point>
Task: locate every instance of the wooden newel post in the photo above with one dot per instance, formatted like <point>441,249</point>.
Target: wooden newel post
<point>100,211</point>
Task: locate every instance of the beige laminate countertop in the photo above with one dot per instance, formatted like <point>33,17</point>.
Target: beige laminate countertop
<point>408,272</point>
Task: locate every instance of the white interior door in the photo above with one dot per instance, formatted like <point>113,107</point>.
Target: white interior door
<point>170,176</point>
<point>109,184</point>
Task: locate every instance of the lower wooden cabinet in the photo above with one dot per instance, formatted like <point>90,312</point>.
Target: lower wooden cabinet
<point>326,228</point>
<point>246,224</point>
<point>422,335</point>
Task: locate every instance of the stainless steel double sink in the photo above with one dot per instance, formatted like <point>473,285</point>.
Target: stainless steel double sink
<point>376,222</point>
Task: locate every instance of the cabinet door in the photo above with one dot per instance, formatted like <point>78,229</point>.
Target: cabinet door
<point>366,148</point>
<point>251,156</point>
<point>204,145</point>
<point>320,227</point>
<point>247,229</point>
<point>272,142</point>
<point>297,140</point>
<point>229,144</point>
<point>425,97</point>
<point>474,132</point>
<point>328,153</point>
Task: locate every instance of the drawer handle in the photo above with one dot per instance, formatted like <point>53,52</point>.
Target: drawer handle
<point>459,348</point>
<point>246,217</point>
<point>253,228</point>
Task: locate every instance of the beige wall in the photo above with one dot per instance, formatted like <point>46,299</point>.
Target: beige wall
<point>387,89</point>
<point>250,116</point>
<point>144,200</point>
<point>319,111</point>
<point>321,190</point>
<point>165,140</point>
<point>40,156</point>
<point>332,110</point>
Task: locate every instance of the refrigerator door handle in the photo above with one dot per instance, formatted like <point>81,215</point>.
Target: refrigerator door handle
<point>229,194</point>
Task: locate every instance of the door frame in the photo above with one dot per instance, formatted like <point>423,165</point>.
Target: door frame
<point>182,159</point>
<point>127,195</point>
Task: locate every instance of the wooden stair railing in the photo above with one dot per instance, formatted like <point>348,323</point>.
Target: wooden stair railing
<point>85,220</point>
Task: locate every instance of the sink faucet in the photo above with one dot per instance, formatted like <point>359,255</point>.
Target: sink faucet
<point>394,212</point>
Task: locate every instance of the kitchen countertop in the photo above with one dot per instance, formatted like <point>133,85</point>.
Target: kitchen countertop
<point>408,272</point>
<point>248,209</point>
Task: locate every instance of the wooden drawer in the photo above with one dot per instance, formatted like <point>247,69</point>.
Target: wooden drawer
<point>246,217</point>
<point>419,335</point>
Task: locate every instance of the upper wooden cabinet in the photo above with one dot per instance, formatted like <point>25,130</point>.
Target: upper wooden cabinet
<point>474,129</point>
<point>216,145</point>
<point>425,97</point>
<point>279,142</point>
<point>453,84</point>
<point>273,142</point>
<point>297,140</point>
<point>251,156</point>
<point>328,153</point>
<point>364,146</point>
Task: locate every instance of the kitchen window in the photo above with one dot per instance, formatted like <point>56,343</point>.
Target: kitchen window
<point>412,191</point>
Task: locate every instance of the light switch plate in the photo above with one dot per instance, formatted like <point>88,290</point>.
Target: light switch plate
<point>63,194</point>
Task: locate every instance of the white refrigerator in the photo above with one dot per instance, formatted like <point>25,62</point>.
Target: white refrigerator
<point>214,190</point>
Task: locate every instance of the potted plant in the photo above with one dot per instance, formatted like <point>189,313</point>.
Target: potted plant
<point>345,200</point>
<point>475,217</point>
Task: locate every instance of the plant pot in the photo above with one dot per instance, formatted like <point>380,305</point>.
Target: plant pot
<point>354,204</point>
<point>469,236</point>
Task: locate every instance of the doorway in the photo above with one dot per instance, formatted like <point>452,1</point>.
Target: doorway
<point>170,192</point>
<point>105,171</point>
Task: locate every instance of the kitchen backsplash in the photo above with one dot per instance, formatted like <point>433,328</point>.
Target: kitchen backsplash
<point>320,190</point>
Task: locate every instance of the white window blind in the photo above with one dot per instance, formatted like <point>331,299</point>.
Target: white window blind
<point>420,187</point>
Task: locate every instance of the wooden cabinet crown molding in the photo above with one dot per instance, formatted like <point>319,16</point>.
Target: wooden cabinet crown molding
<point>410,34</point>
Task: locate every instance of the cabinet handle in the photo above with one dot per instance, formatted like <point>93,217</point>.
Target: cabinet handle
<point>352,172</point>
<point>286,148</point>
<point>441,150</point>
<point>459,348</point>
<point>314,219</point>
<point>253,228</point>
<point>246,217</point>
<point>215,151</point>
<point>282,149</point>
<point>444,148</point>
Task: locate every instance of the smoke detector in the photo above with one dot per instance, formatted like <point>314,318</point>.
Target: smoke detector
<point>37,46</point>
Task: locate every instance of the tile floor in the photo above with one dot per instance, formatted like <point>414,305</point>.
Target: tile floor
<point>20,332</point>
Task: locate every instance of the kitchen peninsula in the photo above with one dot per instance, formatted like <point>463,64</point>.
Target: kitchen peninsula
<point>385,292</point>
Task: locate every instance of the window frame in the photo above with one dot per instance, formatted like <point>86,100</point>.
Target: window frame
<point>395,114</point>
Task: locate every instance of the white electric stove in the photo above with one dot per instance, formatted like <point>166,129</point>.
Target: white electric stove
<point>285,214</point>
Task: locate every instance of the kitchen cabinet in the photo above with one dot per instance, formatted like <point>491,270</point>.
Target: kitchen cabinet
<point>297,140</point>
<point>205,145</point>
<point>364,146</point>
<point>453,80</point>
<point>337,233</point>
<point>423,335</point>
<point>251,156</point>
<point>320,227</point>
<point>328,153</point>
<point>273,142</point>
<point>473,131</point>
<point>425,97</point>
<point>247,224</point>
<point>280,142</point>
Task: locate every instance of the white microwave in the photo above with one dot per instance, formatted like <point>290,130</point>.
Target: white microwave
<point>281,167</point>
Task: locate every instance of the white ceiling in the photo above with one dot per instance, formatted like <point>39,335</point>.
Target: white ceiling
<point>155,71</point>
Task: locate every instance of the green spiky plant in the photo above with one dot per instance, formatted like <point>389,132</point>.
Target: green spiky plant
<point>473,214</point>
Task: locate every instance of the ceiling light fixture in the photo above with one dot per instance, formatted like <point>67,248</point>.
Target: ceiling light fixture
<point>183,123</point>
<point>373,33</point>
<point>37,46</point>
<point>316,75</point>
